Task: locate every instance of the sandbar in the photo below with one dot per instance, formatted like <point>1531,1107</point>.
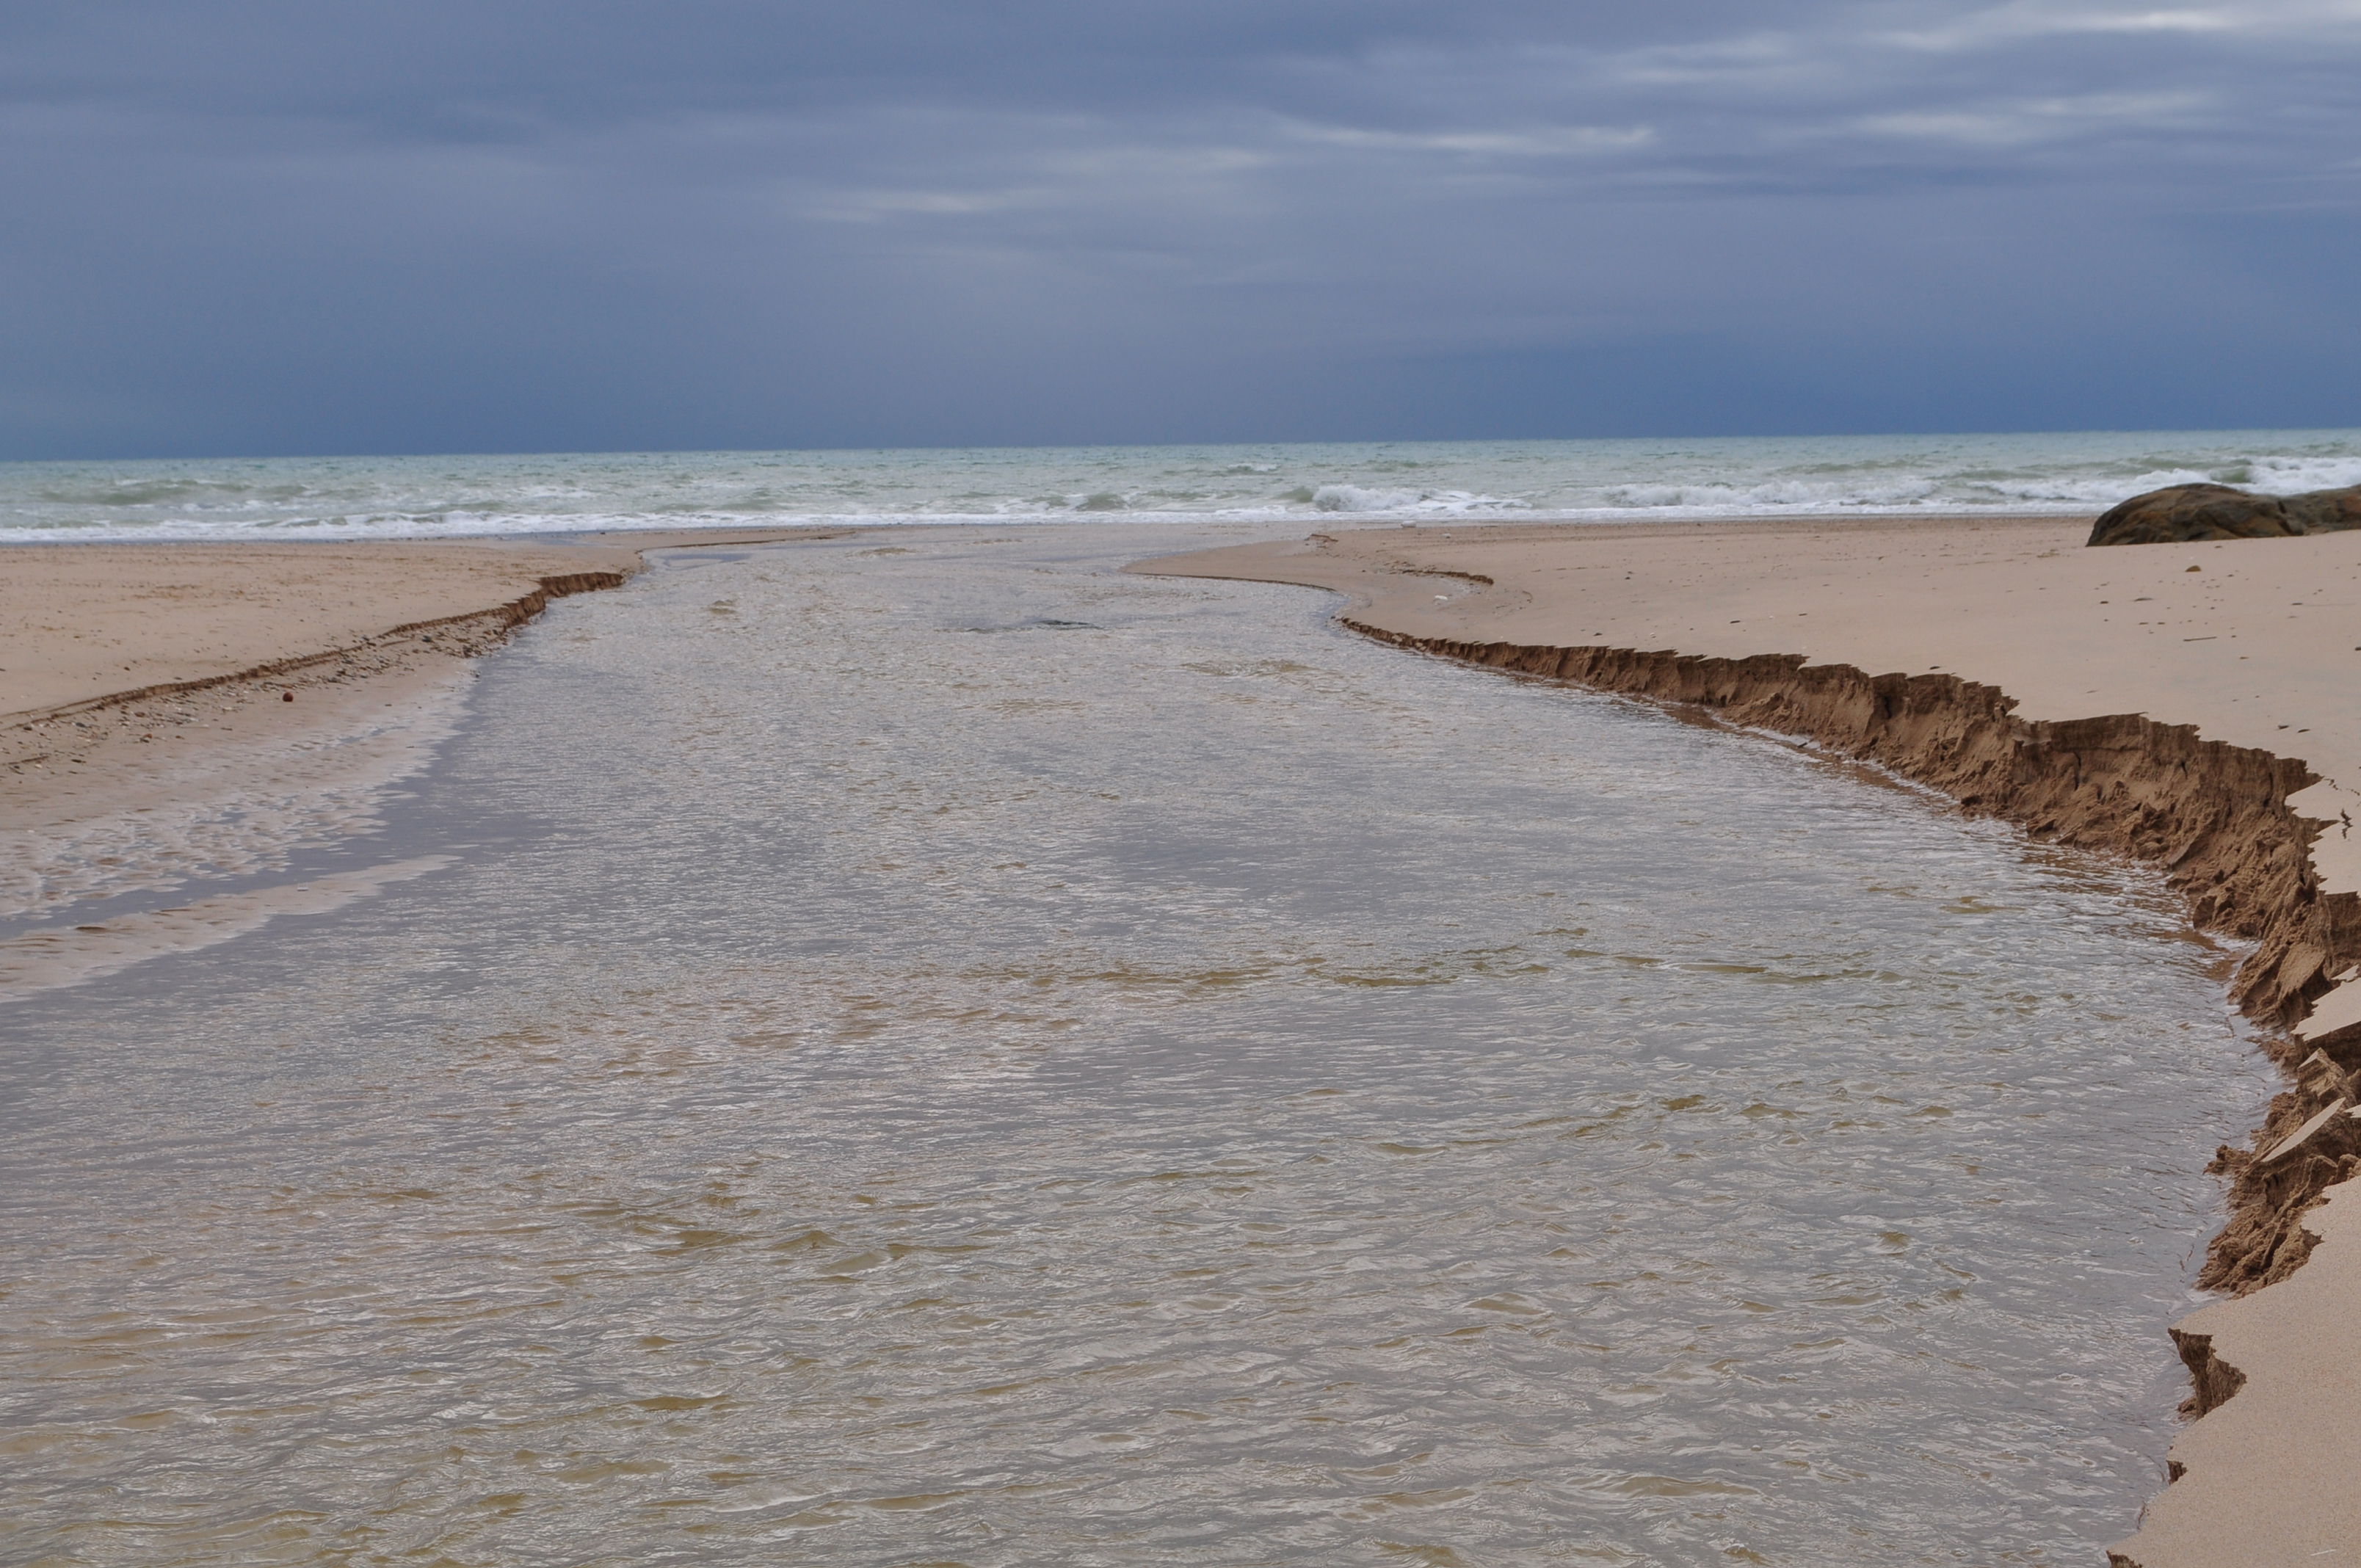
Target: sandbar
<point>159,701</point>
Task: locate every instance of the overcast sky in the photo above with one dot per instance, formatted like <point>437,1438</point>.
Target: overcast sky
<point>307,227</point>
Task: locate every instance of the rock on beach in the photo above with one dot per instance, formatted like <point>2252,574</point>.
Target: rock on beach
<point>2189,513</point>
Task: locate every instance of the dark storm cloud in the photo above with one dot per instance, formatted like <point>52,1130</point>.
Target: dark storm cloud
<point>509,226</point>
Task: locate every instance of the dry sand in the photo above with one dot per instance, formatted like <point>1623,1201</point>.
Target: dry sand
<point>84,628</point>
<point>84,620</point>
<point>2253,642</point>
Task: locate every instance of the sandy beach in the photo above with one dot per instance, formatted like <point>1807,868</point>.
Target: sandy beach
<point>98,639</point>
<point>133,676</point>
<point>149,691</point>
<point>139,676</point>
<point>1980,629</point>
<point>1176,786</point>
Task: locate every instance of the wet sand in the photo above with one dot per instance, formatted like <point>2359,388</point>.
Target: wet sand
<point>157,701</point>
<point>2253,643</point>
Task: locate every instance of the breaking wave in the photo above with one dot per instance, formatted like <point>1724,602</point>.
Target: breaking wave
<point>412,497</point>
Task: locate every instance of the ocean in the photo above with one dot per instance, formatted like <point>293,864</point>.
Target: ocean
<point>369,497</point>
<point>923,1048</point>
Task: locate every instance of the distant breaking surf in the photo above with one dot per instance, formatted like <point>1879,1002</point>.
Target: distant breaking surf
<point>1605,481</point>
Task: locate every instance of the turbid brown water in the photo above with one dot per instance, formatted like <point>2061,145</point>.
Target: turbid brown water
<point>927,1050</point>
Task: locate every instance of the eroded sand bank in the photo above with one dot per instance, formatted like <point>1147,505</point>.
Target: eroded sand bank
<point>2198,705</point>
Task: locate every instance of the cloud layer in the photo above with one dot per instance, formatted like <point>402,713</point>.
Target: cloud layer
<point>288,228</point>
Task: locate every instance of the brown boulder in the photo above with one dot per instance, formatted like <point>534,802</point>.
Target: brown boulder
<point>2185,513</point>
<point>2179,514</point>
<point>2326,511</point>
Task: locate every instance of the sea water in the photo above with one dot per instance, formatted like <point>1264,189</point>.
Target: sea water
<point>925,1048</point>
<point>1600,480</point>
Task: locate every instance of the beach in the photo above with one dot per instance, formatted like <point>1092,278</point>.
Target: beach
<point>154,692</point>
<point>2249,644</point>
<point>2244,649</point>
<point>1180,786</point>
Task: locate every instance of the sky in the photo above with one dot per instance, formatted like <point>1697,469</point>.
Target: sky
<point>280,226</point>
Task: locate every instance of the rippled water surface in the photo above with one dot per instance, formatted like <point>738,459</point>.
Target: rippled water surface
<point>2072,474</point>
<point>934,1051</point>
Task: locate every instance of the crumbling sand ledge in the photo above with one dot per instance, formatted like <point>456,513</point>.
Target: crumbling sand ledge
<point>2254,645</point>
<point>2214,816</point>
<point>478,625</point>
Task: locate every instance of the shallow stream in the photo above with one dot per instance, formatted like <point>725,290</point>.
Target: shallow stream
<point>930,1050</point>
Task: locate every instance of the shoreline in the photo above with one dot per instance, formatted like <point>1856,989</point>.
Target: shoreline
<point>2259,844</point>
<point>173,686</point>
<point>213,628</point>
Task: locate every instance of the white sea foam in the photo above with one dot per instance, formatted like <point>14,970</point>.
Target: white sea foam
<point>1363,501</point>
<point>417,498</point>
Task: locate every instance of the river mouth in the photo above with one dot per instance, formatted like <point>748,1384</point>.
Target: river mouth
<point>1164,1081</point>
